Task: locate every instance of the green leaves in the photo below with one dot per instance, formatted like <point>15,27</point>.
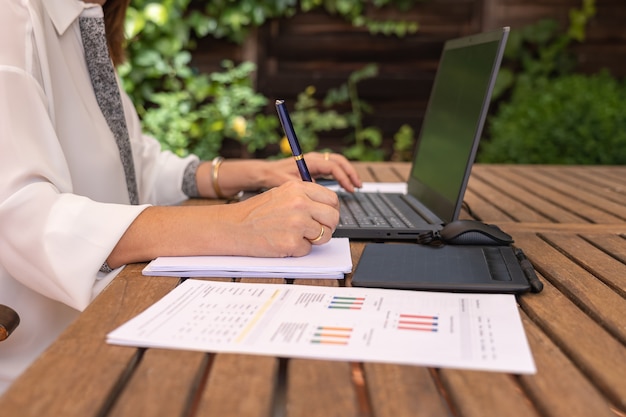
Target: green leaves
<point>233,19</point>
<point>156,13</point>
<point>572,119</point>
<point>189,112</point>
<point>554,115</point>
<point>579,18</point>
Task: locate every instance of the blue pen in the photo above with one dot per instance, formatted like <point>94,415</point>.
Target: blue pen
<point>285,120</point>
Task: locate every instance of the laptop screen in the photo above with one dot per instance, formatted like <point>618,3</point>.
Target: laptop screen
<point>454,120</point>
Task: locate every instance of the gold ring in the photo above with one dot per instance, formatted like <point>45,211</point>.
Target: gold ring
<point>317,239</point>
<point>326,156</point>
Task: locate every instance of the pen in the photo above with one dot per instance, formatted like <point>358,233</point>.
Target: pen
<point>285,120</point>
<point>529,271</point>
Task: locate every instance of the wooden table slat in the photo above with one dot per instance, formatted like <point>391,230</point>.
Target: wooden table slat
<point>320,388</point>
<point>403,391</point>
<point>558,378</point>
<point>382,171</point>
<point>565,322</point>
<point>531,193</point>
<point>576,199</point>
<point>239,385</point>
<point>500,204</point>
<point>593,181</point>
<point>612,173</point>
<point>571,199</point>
<point>161,374</point>
<point>603,266</point>
<point>612,244</point>
<point>486,394</point>
<point>585,289</point>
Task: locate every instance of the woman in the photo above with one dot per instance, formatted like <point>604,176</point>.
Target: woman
<point>66,222</point>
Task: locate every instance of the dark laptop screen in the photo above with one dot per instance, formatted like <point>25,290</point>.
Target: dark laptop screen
<point>454,119</point>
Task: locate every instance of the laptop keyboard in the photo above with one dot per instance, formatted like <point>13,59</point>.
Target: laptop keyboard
<point>370,210</point>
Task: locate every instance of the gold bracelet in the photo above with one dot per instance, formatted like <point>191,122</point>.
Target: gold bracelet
<point>215,168</point>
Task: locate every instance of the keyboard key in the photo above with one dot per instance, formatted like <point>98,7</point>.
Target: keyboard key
<point>371,210</point>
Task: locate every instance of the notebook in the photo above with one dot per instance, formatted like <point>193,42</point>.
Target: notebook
<point>445,149</point>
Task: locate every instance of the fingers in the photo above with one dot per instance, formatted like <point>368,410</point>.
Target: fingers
<point>321,238</point>
<point>318,234</point>
<point>319,194</point>
<point>320,210</point>
<point>337,165</point>
<point>286,220</point>
<point>275,173</point>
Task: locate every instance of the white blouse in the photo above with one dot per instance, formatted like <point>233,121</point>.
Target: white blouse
<point>63,197</point>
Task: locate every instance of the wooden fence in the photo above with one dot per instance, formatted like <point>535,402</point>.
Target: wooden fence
<point>319,50</point>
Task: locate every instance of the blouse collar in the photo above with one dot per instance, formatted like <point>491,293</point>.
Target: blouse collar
<point>64,12</point>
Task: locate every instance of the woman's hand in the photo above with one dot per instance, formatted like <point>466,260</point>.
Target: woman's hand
<point>284,221</point>
<point>319,164</point>
<point>255,174</point>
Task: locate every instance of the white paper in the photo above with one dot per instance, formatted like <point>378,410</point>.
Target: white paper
<point>469,331</point>
<point>380,187</point>
<point>331,260</point>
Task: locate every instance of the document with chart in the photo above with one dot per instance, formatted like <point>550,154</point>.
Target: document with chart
<point>468,331</point>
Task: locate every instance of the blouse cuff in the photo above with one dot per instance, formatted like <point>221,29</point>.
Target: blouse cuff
<point>105,268</point>
<point>190,186</point>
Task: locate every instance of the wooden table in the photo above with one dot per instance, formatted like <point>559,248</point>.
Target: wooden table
<point>570,221</point>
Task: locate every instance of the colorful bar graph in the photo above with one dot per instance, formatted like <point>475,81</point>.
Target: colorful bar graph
<point>329,342</point>
<point>326,335</point>
<point>347,303</point>
<point>420,323</point>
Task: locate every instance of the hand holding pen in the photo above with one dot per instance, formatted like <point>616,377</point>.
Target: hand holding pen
<point>285,121</point>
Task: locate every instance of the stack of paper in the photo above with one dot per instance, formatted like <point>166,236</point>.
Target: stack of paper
<point>331,260</point>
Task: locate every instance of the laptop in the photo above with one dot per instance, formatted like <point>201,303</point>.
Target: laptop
<point>445,149</point>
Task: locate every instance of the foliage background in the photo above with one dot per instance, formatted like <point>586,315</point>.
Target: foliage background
<point>192,112</point>
<point>548,113</point>
<point>543,111</point>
